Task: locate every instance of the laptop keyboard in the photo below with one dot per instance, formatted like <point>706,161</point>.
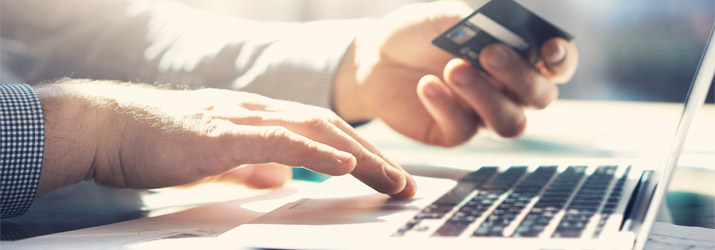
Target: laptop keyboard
<point>480,203</point>
<point>516,203</point>
<point>551,202</point>
<point>508,210</point>
<point>609,207</point>
<point>585,204</point>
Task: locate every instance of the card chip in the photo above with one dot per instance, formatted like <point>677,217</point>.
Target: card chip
<point>461,34</point>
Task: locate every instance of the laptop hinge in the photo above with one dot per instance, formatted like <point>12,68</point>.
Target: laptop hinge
<point>639,202</point>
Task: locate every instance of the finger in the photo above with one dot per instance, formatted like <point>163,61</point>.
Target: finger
<point>405,189</point>
<point>259,145</point>
<point>258,176</point>
<point>497,111</point>
<point>452,124</point>
<point>372,169</point>
<point>528,85</point>
<point>561,59</point>
<point>386,176</point>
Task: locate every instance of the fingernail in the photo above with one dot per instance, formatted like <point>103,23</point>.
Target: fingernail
<point>433,91</point>
<point>393,174</point>
<point>557,54</point>
<point>497,57</point>
<point>343,156</point>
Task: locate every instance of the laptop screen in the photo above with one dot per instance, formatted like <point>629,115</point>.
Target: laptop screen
<point>696,97</point>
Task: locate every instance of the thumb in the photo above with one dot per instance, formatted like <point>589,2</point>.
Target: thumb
<point>259,176</point>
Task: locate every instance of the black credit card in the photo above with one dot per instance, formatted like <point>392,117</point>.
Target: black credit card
<point>499,21</point>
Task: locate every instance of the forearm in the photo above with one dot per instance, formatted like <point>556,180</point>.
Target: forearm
<point>346,99</point>
<point>145,41</point>
<point>87,123</point>
<point>95,129</point>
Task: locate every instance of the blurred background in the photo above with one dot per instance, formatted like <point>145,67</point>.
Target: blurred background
<point>635,50</point>
<point>639,50</point>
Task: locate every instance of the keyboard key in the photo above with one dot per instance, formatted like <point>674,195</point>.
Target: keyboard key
<point>611,203</point>
<point>553,200</point>
<point>480,176</point>
<point>584,206</point>
<point>507,211</point>
<point>422,216</point>
<point>437,209</point>
<point>445,204</point>
<point>457,194</point>
<point>504,181</point>
<point>567,234</point>
<point>450,229</point>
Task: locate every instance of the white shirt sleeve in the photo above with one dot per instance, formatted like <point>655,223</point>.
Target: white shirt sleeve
<point>165,42</point>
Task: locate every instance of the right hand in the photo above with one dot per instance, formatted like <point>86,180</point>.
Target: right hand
<point>393,72</point>
<point>140,137</point>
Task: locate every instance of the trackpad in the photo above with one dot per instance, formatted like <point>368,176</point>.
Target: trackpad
<point>374,201</point>
<point>344,200</point>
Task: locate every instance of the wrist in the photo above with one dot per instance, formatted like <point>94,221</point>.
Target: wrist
<point>71,137</point>
<point>347,100</point>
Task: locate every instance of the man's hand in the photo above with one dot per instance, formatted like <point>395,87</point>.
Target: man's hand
<point>393,72</point>
<point>135,136</point>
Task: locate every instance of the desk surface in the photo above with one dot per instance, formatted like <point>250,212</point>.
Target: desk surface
<point>566,129</point>
<point>571,129</point>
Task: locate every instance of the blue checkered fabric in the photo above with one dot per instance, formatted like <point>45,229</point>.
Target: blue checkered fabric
<point>22,140</point>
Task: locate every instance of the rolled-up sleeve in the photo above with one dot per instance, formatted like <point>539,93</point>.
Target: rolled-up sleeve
<point>166,42</point>
<point>22,138</point>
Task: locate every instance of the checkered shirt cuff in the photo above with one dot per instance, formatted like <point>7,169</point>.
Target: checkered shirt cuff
<point>22,140</point>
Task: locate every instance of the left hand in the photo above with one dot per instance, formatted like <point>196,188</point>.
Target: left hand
<point>393,72</point>
<point>136,136</point>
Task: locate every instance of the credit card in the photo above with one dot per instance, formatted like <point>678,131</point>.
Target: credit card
<point>499,21</point>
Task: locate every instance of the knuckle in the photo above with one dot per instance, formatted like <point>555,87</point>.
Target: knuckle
<point>338,122</point>
<point>276,135</point>
<point>272,140</point>
<point>546,100</point>
<point>313,146</point>
<point>512,127</point>
<point>549,94</point>
<point>209,124</point>
<point>328,115</point>
<point>533,90</point>
<point>526,82</point>
<point>362,155</point>
<point>317,124</point>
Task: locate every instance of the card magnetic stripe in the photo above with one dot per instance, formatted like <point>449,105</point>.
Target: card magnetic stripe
<point>502,21</point>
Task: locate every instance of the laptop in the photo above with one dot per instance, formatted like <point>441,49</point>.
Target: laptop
<point>505,204</point>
